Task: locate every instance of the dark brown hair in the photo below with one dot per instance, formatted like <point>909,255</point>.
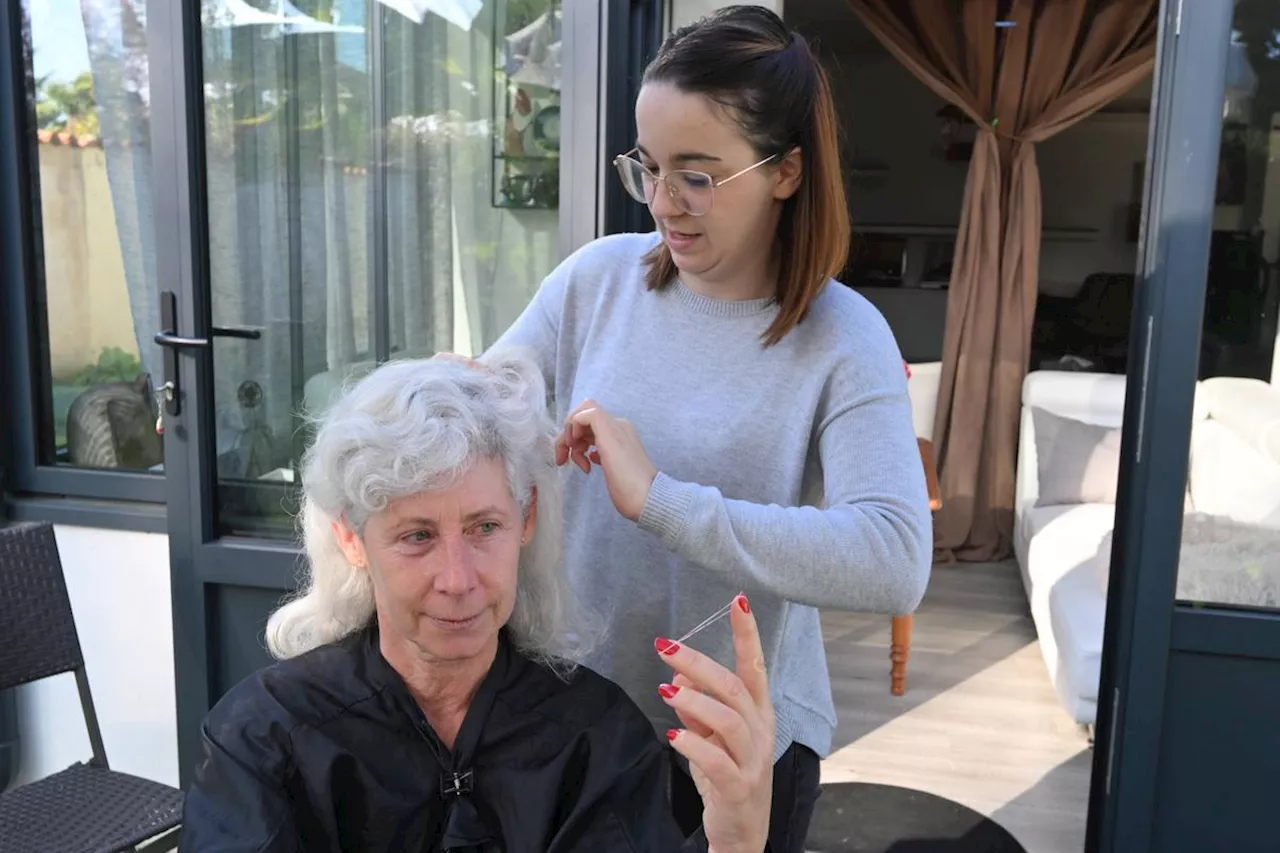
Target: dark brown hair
<point>745,59</point>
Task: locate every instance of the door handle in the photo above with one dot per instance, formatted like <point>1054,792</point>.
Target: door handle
<point>168,339</point>
<point>248,333</point>
<point>172,342</point>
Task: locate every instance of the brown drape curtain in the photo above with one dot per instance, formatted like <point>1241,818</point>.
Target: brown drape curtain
<point>1053,64</point>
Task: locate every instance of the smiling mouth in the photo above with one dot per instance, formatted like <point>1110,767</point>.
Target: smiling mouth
<point>455,624</point>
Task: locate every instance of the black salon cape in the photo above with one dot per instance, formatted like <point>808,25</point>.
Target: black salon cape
<point>329,752</point>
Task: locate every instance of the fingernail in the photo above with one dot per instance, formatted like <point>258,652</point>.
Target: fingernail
<point>665,646</point>
<point>668,691</point>
<point>672,734</point>
<point>742,603</point>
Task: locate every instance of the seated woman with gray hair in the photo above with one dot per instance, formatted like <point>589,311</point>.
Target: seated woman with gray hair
<point>427,695</point>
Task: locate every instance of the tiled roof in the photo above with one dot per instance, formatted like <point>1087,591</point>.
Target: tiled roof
<point>65,137</point>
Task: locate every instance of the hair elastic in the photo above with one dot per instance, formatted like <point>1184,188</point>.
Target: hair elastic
<point>709,621</point>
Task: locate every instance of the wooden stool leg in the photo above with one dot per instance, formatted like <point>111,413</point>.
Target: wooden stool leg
<point>899,653</point>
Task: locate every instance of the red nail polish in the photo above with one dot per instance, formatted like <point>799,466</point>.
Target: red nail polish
<point>672,734</point>
<point>668,691</point>
<point>665,646</point>
<point>742,603</point>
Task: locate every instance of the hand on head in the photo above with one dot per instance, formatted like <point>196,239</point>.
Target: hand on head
<point>591,435</point>
<point>454,356</point>
<point>728,736</point>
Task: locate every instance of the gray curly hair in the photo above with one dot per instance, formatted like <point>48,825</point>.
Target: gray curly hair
<point>412,426</point>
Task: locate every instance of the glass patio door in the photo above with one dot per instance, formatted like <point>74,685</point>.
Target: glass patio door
<point>353,181</point>
<point>361,207</point>
<point>1188,742</point>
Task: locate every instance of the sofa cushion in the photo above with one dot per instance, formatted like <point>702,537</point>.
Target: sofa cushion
<point>1097,398</point>
<point>1077,462</point>
<point>1248,407</point>
<point>1231,478</point>
<point>1063,538</point>
<point>1078,613</point>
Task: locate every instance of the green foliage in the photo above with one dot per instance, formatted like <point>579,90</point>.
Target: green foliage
<point>114,365</point>
<point>521,13</point>
<point>68,106</point>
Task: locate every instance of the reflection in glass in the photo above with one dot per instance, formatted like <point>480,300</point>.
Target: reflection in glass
<point>1231,537</point>
<point>353,149</point>
<point>88,99</point>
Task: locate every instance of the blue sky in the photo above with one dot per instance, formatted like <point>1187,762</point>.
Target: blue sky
<point>57,33</point>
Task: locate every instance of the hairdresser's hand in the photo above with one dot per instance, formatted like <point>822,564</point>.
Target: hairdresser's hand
<point>454,356</point>
<point>592,435</point>
<point>728,736</point>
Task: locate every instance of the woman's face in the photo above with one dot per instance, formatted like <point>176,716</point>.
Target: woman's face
<point>444,563</point>
<point>678,130</point>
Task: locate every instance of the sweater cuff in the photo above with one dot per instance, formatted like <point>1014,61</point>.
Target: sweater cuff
<point>666,510</point>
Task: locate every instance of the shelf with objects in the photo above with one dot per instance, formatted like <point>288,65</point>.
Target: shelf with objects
<point>526,138</point>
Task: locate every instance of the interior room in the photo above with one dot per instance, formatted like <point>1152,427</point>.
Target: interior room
<point>906,157</point>
<point>979,721</point>
<point>998,670</point>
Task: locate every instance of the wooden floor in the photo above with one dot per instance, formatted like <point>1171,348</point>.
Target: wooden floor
<point>979,723</point>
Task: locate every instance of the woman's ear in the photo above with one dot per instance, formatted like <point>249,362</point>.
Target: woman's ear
<point>789,173</point>
<point>349,542</point>
<point>530,518</point>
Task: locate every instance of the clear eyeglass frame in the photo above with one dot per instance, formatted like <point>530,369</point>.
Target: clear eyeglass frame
<point>692,191</point>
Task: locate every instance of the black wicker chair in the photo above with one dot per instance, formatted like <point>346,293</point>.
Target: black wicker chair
<point>87,808</point>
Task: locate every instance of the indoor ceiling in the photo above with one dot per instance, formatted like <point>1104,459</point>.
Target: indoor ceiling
<point>833,26</point>
<point>831,23</point>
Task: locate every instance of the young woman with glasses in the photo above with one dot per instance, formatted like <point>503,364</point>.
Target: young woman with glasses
<point>748,414</point>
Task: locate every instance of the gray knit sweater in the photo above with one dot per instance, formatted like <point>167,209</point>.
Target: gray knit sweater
<point>790,472</point>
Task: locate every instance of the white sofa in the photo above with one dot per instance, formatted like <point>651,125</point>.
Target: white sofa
<point>922,388</point>
<point>1234,467</point>
<point>1063,547</point>
<point>1056,545</point>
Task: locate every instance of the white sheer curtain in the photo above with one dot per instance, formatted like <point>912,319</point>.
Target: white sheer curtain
<point>296,186</point>
<point>116,42</point>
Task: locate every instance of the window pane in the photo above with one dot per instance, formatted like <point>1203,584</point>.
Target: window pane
<point>383,183</point>
<point>88,91</point>
<point>1229,538</point>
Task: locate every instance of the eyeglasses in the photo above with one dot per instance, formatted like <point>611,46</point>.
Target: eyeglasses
<point>691,191</point>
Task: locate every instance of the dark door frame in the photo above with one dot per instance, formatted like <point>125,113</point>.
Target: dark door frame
<point>26,383</point>
<point>1146,629</point>
<point>634,32</point>
<point>177,140</point>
